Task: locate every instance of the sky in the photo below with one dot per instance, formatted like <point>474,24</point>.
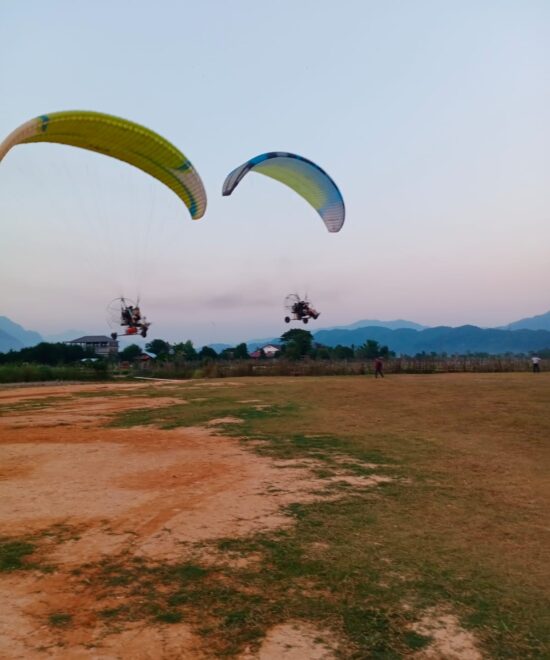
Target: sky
<point>430,115</point>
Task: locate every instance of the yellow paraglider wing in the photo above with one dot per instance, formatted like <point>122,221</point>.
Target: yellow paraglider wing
<point>121,139</point>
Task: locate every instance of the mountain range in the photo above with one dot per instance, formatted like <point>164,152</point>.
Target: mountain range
<point>391,325</point>
<point>401,336</point>
<point>443,339</point>
<point>539,322</point>
<point>409,338</point>
<point>14,336</point>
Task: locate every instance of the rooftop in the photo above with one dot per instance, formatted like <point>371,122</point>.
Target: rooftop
<point>91,339</point>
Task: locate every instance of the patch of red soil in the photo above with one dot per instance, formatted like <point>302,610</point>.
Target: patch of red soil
<point>449,639</point>
<point>295,641</point>
<point>142,490</point>
<point>29,602</point>
<point>88,412</point>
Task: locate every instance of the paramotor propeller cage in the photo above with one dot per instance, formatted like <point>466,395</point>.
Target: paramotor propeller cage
<point>125,313</point>
<point>115,311</point>
<point>291,300</point>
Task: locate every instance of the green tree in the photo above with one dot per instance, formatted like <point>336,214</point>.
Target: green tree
<point>207,353</point>
<point>371,349</point>
<point>101,366</point>
<point>227,354</point>
<point>159,347</point>
<point>322,353</point>
<point>343,352</point>
<point>130,353</point>
<point>297,343</point>
<point>185,350</point>
<point>241,352</point>
<point>47,353</point>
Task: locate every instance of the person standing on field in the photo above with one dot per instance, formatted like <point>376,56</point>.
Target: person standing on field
<point>378,367</point>
<point>535,361</point>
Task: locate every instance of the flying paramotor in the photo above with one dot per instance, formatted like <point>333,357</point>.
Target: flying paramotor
<point>126,313</point>
<point>299,309</point>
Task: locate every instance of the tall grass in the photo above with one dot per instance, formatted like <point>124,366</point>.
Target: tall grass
<point>307,367</point>
<point>28,373</point>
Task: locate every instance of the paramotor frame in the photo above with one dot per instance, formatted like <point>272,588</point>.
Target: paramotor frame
<point>126,313</point>
<point>299,309</point>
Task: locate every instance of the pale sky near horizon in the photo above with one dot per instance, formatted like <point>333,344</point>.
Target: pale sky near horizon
<point>431,116</point>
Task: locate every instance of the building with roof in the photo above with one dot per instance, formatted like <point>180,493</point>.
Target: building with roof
<point>268,351</point>
<point>101,345</point>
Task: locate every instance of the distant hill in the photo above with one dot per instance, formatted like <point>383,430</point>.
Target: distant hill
<point>540,322</point>
<point>18,332</point>
<point>21,338</point>
<point>254,344</point>
<point>13,337</point>
<point>443,339</point>
<point>371,323</point>
<point>402,336</point>
<point>9,343</point>
<point>219,347</point>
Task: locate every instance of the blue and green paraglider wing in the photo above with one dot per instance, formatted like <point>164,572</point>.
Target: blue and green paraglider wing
<point>300,174</point>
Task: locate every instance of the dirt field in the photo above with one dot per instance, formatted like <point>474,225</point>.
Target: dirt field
<point>151,520</point>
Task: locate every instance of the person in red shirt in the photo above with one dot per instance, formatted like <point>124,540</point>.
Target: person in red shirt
<point>378,367</point>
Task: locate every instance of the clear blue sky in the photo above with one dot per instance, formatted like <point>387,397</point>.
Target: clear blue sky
<point>431,116</point>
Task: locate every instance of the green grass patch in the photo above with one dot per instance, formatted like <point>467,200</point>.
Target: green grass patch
<point>13,554</point>
<point>109,613</point>
<point>60,619</point>
<point>134,393</point>
<point>32,405</point>
<point>168,616</point>
<point>198,412</point>
<point>31,373</point>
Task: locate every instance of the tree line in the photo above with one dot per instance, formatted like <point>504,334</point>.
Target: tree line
<point>47,353</point>
<point>294,344</point>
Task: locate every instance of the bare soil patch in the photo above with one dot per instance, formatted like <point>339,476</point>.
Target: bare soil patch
<point>27,603</point>
<point>144,487</point>
<point>295,641</point>
<point>145,491</point>
<point>10,394</point>
<point>224,420</point>
<point>87,412</point>
<point>449,639</point>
